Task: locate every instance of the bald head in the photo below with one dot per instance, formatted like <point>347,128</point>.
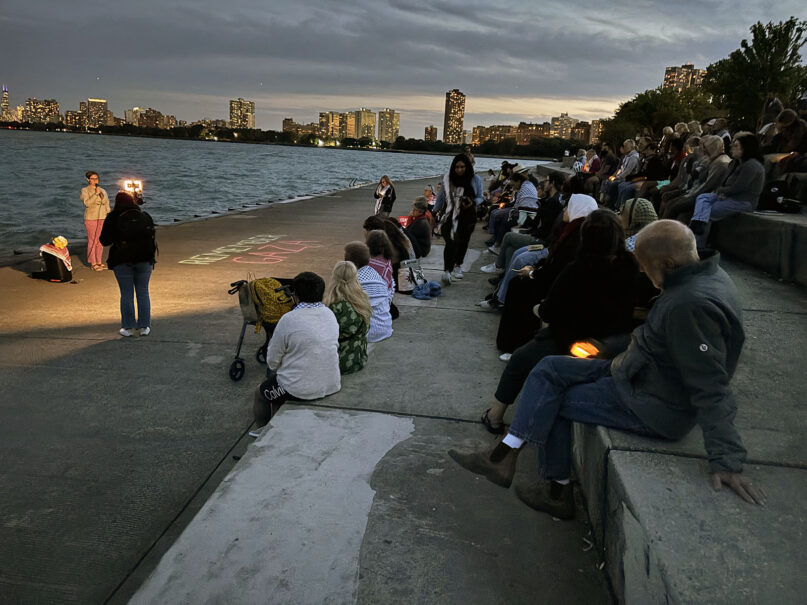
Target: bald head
<point>663,246</point>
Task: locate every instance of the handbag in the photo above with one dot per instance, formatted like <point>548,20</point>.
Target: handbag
<point>405,283</point>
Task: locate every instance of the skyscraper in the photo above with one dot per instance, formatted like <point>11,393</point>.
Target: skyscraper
<point>562,126</point>
<point>41,111</point>
<point>683,77</point>
<point>430,135</point>
<point>365,124</point>
<point>454,117</point>
<point>96,112</point>
<point>389,122</point>
<point>242,113</point>
<point>4,103</point>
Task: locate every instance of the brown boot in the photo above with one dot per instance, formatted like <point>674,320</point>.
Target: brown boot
<point>548,497</point>
<point>497,466</point>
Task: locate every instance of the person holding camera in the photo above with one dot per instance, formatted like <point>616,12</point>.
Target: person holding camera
<point>460,195</point>
<point>303,355</point>
<point>96,208</point>
<point>130,233</point>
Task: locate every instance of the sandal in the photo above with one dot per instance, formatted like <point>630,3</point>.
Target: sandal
<point>495,429</point>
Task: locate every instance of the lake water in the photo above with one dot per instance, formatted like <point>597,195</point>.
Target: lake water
<point>42,173</point>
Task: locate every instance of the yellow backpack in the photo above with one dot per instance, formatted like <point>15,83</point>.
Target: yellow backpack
<point>271,305</point>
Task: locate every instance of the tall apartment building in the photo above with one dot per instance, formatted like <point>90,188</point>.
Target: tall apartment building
<point>43,111</point>
<point>526,132</point>
<point>682,77</point>
<point>4,106</point>
<point>581,132</point>
<point>389,122</point>
<point>132,116</point>
<point>96,113</point>
<point>331,125</point>
<point>349,125</point>
<point>430,134</point>
<point>454,117</point>
<point>561,126</point>
<point>76,119</point>
<point>596,131</point>
<point>242,113</point>
<point>150,118</point>
<point>365,124</point>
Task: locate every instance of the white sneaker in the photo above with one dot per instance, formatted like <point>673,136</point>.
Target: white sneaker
<point>505,356</point>
<point>446,278</point>
<point>145,331</point>
<point>494,250</point>
<point>125,332</point>
<point>491,268</point>
<point>457,273</point>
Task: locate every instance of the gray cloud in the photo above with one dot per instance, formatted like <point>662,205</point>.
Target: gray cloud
<point>193,56</point>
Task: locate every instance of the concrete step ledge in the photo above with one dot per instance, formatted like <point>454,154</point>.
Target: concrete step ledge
<point>668,537</point>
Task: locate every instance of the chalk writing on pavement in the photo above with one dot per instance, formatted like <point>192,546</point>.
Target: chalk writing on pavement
<point>256,250</point>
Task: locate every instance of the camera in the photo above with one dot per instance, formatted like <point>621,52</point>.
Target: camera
<point>135,188</point>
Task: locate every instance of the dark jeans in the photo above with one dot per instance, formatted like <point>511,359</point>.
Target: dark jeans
<point>133,280</point>
<point>457,246</point>
<point>521,364</point>
<point>562,390</point>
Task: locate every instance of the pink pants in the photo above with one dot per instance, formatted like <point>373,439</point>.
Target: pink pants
<point>94,248</point>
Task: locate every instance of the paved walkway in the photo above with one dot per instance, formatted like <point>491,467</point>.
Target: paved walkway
<point>111,446</point>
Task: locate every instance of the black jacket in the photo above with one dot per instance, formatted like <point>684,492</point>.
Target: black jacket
<point>420,235</point>
<point>143,249</point>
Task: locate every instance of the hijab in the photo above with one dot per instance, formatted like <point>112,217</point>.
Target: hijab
<point>580,206</point>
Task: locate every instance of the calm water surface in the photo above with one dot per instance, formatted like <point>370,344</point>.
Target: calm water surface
<point>42,173</point>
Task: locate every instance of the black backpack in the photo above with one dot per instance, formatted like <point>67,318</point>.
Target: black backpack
<point>136,232</point>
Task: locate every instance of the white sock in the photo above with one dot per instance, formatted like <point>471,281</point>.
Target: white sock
<point>562,481</point>
<point>512,441</point>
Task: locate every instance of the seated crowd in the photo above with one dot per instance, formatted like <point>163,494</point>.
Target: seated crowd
<point>610,261</point>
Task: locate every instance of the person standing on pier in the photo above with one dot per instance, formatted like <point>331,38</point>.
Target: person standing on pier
<point>130,232</point>
<point>96,207</point>
<point>384,196</point>
<point>457,201</point>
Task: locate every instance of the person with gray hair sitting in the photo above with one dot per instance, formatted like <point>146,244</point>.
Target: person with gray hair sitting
<point>675,373</point>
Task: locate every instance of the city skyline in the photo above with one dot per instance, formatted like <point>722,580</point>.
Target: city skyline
<point>298,58</point>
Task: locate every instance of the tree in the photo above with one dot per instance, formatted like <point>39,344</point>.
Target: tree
<point>654,109</point>
<point>769,65</point>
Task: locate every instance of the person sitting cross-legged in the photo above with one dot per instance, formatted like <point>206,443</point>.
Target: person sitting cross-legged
<point>302,356</point>
<point>674,374</point>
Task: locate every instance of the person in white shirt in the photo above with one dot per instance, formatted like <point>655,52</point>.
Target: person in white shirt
<point>303,355</point>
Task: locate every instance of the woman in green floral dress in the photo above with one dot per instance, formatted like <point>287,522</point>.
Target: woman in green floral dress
<point>351,306</point>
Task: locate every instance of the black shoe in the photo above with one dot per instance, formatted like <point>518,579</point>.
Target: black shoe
<point>496,429</point>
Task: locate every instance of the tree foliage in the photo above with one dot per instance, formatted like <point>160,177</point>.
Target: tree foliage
<point>770,64</point>
<point>650,111</point>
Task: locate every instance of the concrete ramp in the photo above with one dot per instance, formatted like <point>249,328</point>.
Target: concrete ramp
<point>286,525</point>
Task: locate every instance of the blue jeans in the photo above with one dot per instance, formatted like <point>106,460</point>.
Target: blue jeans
<point>561,390</point>
<point>625,191</point>
<point>521,258</point>
<point>709,208</point>
<point>134,280</point>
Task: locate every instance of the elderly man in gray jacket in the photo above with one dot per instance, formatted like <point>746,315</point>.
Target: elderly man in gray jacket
<point>674,374</point>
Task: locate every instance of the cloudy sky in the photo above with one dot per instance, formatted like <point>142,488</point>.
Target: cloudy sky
<point>514,60</point>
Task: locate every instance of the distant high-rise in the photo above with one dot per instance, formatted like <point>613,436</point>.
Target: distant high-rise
<point>365,124</point>
<point>454,117</point>
<point>132,116</point>
<point>561,126</point>
<point>596,131</point>
<point>4,103</point>
<point>430,136</point>
<point>349,125</point>
<point>96,113</point>
<point>331,125</point>
<point>389,122</point>
<point>682,77</point>
<point>242,113</point>
<point>41,111</point>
